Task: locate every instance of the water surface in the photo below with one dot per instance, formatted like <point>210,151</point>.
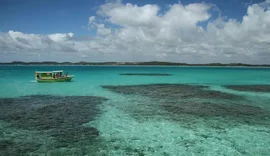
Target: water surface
<point>150,111</point>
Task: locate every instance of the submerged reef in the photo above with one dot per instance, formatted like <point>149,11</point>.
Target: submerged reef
<point>185,103</point>
<point>252,88</point>
<point>59,118</point>
<point>180,119</point>
<point>171,91</point>
<point>145,74</point>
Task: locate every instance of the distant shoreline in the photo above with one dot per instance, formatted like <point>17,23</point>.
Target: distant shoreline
<point>151,63</point>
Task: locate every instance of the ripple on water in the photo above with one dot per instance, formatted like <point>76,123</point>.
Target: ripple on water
<point>190,119</point>
<point>154,119</point>
<point>252,88</point>
<point>58,119</point>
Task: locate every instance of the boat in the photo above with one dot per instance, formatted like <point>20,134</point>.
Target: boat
<point>52,76</point>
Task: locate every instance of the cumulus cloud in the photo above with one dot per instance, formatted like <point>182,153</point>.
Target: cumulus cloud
<point>60,37</point>
<point>128,32</point>
<point>101,29</point>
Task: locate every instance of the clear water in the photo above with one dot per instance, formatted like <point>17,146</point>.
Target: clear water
<point>129,124</point>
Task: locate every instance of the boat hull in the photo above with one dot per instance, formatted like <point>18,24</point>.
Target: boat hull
<point>62,79</point>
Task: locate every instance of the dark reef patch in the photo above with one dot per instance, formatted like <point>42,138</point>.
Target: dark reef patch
<point>189,102</point>
<point>253,88</point>
<point>60,117</point>
<point>245,114</point>
<point>171,91</point>
<point>10,148</point>
<point>145,74</point>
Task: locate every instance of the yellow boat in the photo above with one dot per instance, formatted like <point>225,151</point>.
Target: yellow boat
<point>52,76</point>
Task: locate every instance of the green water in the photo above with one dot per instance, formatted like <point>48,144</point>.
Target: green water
<point>133,121</point>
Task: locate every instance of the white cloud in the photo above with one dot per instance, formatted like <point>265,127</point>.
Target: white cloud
<point>131,15</point>
<point>101,29</point>
<point>60,37</point>
<point>144,33</point>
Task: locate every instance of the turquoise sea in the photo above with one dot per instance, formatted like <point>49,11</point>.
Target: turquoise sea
<point>191,111</point>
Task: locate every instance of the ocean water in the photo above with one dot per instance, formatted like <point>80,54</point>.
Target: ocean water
<point>192,111</point>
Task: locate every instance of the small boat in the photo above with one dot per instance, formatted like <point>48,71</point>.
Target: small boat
<point>52,76</point>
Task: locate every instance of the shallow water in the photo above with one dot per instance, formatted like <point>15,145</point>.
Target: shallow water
<point>149,111</point>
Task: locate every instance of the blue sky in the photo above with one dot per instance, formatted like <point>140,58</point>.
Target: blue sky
<point>51,16</point>
<point>189,31</point>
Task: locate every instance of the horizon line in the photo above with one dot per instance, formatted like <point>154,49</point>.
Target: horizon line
<point>130,63</point>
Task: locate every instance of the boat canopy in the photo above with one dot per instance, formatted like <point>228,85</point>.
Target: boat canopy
<point>56,71</point>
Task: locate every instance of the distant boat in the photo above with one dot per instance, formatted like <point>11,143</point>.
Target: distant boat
<point>52,76</point>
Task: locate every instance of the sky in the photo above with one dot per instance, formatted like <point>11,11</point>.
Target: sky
<point>187,31</point>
